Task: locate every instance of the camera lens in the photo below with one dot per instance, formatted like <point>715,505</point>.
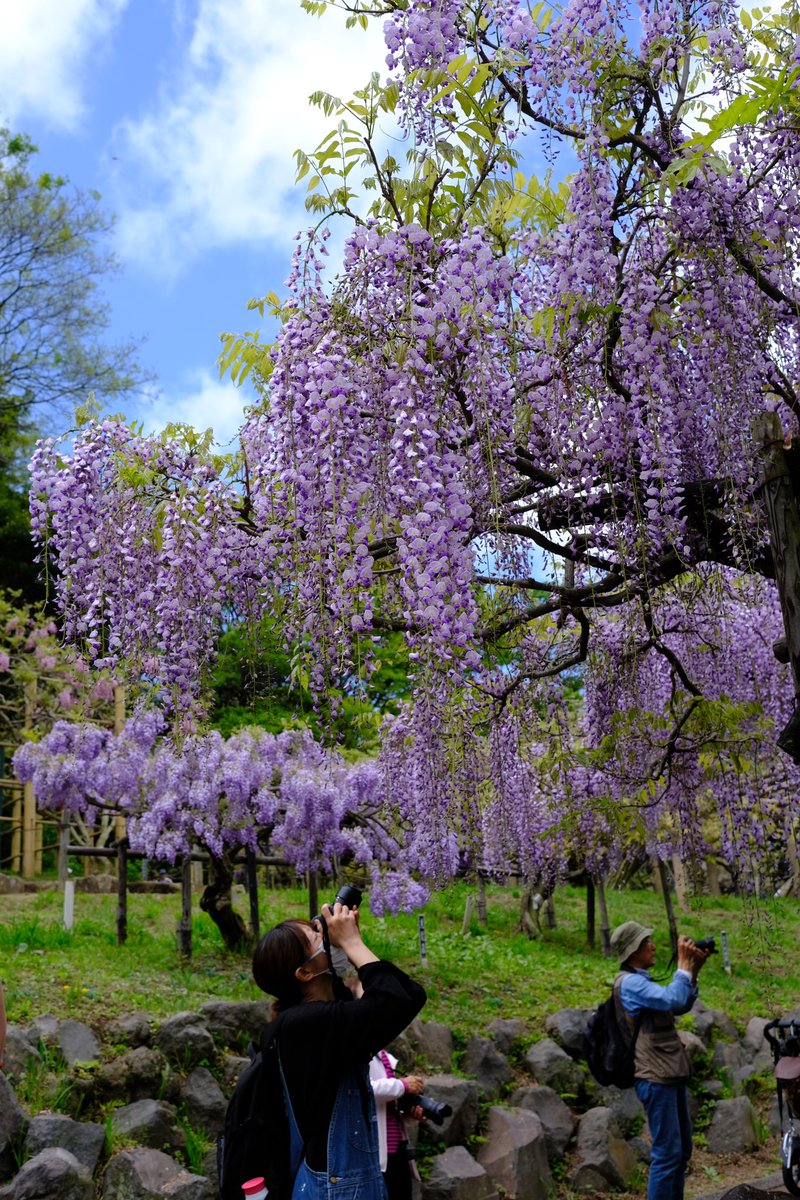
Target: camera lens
<point>349,896</point>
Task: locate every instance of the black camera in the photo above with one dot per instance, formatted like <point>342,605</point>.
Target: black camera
<point>433,1110</point>
<point>351,897</point>
<point>707,943</point>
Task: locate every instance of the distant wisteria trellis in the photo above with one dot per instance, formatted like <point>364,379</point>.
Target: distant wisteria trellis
<point>515,427</point>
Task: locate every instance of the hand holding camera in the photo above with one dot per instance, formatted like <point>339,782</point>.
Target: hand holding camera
<point>692,954</point>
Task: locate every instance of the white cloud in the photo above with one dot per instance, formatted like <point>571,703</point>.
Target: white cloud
<point>45,54</point>
<point>204,401</point>
<point>211,163</point>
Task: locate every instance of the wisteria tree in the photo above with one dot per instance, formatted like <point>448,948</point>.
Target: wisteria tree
<point>517,421</point>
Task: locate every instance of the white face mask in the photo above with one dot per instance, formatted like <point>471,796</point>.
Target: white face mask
<point>339,961</point>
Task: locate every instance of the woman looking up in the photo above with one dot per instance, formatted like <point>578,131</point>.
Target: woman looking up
<point>324,1041</point>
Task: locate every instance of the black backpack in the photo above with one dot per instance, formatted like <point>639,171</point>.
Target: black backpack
<point>255,1138</point>
<point>608,1044</point>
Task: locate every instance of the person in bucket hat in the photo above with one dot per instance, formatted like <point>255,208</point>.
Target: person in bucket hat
<point>662,1065</point>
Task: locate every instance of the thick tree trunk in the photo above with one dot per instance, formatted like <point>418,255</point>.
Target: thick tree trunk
<point>681,888</point>
<point>663,875</point>
<point>783,516</point>
<point>216,901</point>
<point>529,922</point>
<point>480,899</point>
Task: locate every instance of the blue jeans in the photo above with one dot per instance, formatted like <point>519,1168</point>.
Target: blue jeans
<point>667,1108</point>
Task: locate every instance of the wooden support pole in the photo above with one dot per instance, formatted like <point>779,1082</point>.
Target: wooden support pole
<point>550,911</point>
<point>252,891</point>
<point>590,912</point>
<point>120,831</point>
<point>185,923</point>
<point>28,798</point>
<point>783,517</point>
<point>38,846</point>
<point>122,891</point>
<point>313,894</point>
<point>605,926</point>
<point>16,836</point>
<point>63,848</point>
<point>28,831</point>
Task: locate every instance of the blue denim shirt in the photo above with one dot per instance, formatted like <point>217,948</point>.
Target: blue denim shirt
<point>637,991</point>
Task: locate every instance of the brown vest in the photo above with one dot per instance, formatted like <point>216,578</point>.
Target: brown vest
<point>661,1056</point>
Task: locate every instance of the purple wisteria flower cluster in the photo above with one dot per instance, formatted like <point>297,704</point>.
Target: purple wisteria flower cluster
<point>280,793</point>
<point>515,427</point>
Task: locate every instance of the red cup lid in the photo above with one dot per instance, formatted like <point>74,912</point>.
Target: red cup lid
<point>253,1185</point>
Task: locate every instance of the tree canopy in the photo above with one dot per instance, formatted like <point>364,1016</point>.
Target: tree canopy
<point>515,427</point>
<point>53,256</point>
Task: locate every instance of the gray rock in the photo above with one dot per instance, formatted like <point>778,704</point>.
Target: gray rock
<point>231,1069</point>
<point>235,1024</point>
<point>727,1056</point>
<point>20,1053</point>
<point>462,1096</point>
<point>210,1166</point>
<point>96,885</point>
<point>491,1070</point>
<point>754,1041</point>
<point>185,1039</point>
<point>694,1044</point>
<point>762,1064</point>
<point>137,1075</point>
<point>514,1154</point>
<point>455,1175</point>
<point>552,1066</point>
<point>13,1123</point>
<point>403,1051</point>
<point>54,1174</point>
<point>641,1148</point>
<point>77,1043</point>
<point>150,1122</point>
<point>626,1108</point>
<point>11,885</point>
<point>84,1139</point>
<point>733,1127</point>
<point>506,1032</point>
<point>143,1174</point>
<point>205,1103</point>
<point>44,1030</point>
<point>433,1041</point>
<point>556,1118</point>
<point>133,1029</point>
<point>566,1028</point>
<point>710,1023</point>
<point>602,1159</point>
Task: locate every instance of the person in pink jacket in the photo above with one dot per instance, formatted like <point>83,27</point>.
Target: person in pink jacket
<point>388,1087</point>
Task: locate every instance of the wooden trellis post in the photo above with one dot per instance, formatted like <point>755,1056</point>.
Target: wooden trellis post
<point>119,724</point>
<point>28,798</point>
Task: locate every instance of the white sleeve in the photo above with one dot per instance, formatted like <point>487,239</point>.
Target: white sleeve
<point>388,1089</point>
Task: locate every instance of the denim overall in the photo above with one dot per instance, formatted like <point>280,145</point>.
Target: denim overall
<point>354,1170</point>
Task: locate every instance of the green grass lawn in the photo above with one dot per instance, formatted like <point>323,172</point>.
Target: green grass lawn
<point>470,978</point>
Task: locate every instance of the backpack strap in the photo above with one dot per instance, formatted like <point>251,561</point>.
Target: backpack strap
<point>623,1016</point>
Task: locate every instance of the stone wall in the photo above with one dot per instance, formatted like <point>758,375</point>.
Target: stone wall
<point>135,1117</point>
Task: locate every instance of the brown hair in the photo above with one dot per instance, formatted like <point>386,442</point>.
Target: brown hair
<point>278,955</point>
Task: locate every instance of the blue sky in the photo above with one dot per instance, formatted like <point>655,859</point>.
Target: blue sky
<point>184,115</point>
